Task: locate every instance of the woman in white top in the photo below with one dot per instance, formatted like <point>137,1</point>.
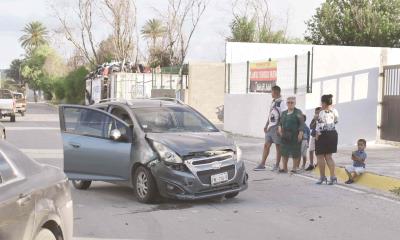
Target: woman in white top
<point>326,139</point>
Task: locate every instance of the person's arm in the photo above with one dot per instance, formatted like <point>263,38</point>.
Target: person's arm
<point>358,159</point>
<point>280,124</point>
<point>301,126</point>
<point>313,124</point>
<point>336,116</point>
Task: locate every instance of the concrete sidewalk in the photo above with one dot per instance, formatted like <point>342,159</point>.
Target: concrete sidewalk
<point>383,162</point>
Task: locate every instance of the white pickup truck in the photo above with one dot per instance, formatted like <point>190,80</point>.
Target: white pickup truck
<point>7,104</point>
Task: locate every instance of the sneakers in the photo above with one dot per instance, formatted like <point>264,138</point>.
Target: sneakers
<point>311,167</point>
<point>260,168</point>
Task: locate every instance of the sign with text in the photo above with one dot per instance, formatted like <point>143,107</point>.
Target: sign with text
<point>263,76</point>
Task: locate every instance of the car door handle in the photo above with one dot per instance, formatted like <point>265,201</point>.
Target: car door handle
<point>24,199</point>
<point>75,145</point>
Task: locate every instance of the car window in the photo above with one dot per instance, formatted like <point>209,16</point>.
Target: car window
<point>87,122</point>
<point>93,123</point>
<point>7,173</point>
<point>4,94</point>
<point>17,96</point>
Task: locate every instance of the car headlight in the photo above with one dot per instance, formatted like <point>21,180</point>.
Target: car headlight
<point>238,154</point>
<point>167,154</point>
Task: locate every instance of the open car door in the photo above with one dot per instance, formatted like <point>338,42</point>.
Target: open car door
<point>91,151</point>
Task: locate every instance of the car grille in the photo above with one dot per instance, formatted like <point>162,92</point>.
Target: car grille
<point>205,176</point>
<point>213,159</point>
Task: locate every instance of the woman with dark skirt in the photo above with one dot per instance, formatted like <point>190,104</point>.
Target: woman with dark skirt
<point>326,139</point>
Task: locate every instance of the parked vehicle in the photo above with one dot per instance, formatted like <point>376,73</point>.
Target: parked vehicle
<point>35,199</point>
<point>20,101</point>
<point>155,146</point>
<point>7,104</point>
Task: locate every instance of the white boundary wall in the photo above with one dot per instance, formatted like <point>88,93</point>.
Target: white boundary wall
<point>351,74</point>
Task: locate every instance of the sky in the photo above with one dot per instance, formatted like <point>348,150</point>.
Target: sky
<point>208,42</point>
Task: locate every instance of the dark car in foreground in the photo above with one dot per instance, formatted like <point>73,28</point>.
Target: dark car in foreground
<point>35,199</point>
<point>156,146</point>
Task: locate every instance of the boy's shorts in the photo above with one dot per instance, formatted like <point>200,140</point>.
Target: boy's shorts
<point>271,136</point>
<point>304,147</point>
<point>357,170</point>
<point>312,144</point>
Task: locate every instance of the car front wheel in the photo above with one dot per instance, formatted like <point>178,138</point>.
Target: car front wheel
<point>81,184</point>
<point>144,185</point>
<point>45,234</point>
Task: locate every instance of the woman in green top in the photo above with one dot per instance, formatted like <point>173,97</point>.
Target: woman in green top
<point>291,130</point>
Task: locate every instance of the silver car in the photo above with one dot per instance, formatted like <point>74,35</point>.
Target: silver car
<point>35,199</point>
<point>156,146</point>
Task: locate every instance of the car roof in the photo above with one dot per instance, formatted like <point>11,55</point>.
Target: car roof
<point>147,103</point>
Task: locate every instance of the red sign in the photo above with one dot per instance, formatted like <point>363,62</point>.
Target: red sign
<point>263,76</point>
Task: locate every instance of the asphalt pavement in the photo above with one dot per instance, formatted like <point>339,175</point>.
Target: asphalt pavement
<point>276,206</point>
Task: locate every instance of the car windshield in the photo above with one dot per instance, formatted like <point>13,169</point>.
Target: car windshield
<point>172,119</point>
<point>17,95</point>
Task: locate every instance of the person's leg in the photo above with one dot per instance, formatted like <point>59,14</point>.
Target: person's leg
<point>267,147</point>
<point>321,167</point>
<point>278,155</point>
<point>285,160</point>
<point>311,158</point>
<point>296,163</point>
<point>304,162</point>
<point>331,164</point>
<point>349,174</point>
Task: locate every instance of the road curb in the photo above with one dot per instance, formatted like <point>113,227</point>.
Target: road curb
<point>367,179</point>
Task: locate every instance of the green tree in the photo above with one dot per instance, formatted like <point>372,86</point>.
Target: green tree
<point>35,35</point>
<point>32,68</point>
<point>153,30</point>
<point>14,71</point>
<point>74,86</point>
<point>243,29</point>
<point>356,22</point>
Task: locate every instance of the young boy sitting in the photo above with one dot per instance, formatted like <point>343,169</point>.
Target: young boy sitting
<point>358,158</point>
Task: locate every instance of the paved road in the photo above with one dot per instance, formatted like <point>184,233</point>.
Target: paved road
<point>274,207</point>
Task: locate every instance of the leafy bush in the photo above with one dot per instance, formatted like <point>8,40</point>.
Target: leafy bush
<point>74,86</point>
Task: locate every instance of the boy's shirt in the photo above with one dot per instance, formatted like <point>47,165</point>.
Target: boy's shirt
<point>306,133</point>
<point>362,155</point>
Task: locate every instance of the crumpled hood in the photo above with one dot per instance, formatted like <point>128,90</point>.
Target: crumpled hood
<point>187,143</point>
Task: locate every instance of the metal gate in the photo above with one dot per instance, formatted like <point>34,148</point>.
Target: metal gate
<point>390,127</point>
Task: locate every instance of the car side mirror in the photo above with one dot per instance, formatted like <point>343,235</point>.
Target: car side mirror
<point>115,134</point>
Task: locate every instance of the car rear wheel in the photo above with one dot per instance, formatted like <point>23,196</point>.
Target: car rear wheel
<point>81,184</point>
<point>22,113</point>
<point>12,118</point>
<point>144,185</point>
<point>45,234</point>
<point>231,195</point>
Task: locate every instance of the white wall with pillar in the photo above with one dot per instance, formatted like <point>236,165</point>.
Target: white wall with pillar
<point>351,74</point>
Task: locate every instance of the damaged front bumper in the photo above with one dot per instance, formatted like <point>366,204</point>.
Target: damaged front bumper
<point>192,181</point>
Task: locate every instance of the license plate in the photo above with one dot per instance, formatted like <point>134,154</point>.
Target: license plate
<point>219,178</point>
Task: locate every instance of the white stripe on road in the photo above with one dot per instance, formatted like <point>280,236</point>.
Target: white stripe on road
<point>43,153</point>
<point>30,128</point>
